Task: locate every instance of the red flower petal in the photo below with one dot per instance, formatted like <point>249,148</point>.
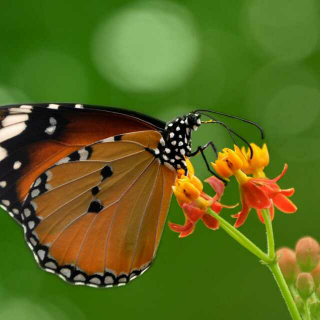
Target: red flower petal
<point>179,228</point>
<point>276,179</point>
<point>288,192</point>
<point>284,204</point>
<point>187,233</point>
<point>243,215</point>
<point>210,222</point>
<point>216,207</point>
<point>193,213</point>
<point>217,185</point>
<point>255,196</point>
<point>260,215</point>
<point>271,212</point>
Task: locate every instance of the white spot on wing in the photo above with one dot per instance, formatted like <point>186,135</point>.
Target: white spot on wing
<point>79,277</point>
<point>26,106</point>
<point>12,131</point>
<point>108,280</point>
<point>3,153</point>
<point>53,121</point>
<point>66,272</point>
<point>31,225</point>
<point>79,106</point>
<point>27,212</point>
<point>63,160</point>
<point>50,265</point>
<point>95,280</point>
<point>50,130</point>
<point>38,181</point>
<point>33,242</point>
<point>3,184</point>
<point>9,120</point>
<point>35,193</point>
<point>53,106</point>
<point>41,254</point>
<point>6,202</point>
<point>19,110</point>
<point>83,154</point>
<point>49,175</point>
<point>17,165</point>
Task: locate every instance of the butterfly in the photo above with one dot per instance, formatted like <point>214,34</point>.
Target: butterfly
<point>91,186</point>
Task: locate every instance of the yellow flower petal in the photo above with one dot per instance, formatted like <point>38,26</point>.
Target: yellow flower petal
<point>222,168</point>
<point>235,160</point>
<point>181,197</point>
<point>197,183</point>
<point>190,191</point>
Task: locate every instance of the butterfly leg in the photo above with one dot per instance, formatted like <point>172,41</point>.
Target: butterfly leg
<point>201,149</point>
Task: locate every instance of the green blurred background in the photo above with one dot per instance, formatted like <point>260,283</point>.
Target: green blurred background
<point>254,59</point>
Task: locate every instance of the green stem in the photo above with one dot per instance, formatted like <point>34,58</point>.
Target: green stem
<point>238,236</point>
<point>306,310</point>
<point>270,237</point>
<point>269,259</point>
<point>275,269</point>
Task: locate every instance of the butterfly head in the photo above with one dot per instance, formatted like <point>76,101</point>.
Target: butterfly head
<point>176,141</point>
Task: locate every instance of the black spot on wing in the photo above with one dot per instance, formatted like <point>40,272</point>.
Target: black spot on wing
<point>95,190</point>
<point>106,172</point>
<point>95,206</point>
<point>118,137</point>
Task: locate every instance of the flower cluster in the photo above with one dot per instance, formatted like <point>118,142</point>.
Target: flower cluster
<point>258,191</point>
<point>301,270</point>
<point>194,202</point>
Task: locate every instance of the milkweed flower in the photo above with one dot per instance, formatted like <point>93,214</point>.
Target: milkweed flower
<point>194,202</point>
<point>256,192</point>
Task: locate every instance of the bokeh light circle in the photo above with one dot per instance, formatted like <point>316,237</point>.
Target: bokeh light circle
<point>284,100</point>
<point>287,29</point>
<point>147,46</point>
<point>292,110</point>
<point>24,309</point>
<point>11,95</point>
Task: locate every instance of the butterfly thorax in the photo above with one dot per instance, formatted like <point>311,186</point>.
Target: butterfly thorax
<point>176,142</point>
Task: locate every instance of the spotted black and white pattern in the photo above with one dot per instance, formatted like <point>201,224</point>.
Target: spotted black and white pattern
<point>176,142</point>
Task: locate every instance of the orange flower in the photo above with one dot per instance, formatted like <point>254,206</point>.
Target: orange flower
<point>258,192</point>
<point>194,202</point>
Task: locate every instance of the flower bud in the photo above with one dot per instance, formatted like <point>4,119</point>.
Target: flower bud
<point>305,285</point>
<point>288,264</point>
<point>307,254</point>
<point>316,276</point>
<point>314,308</point>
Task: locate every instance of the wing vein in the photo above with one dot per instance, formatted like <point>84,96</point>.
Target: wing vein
<point>142,219</point>
<point>114,214</point>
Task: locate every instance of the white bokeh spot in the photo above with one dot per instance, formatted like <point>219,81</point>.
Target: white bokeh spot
<point>286,29</point>
<point>147,46</point>
<point>283,109</point>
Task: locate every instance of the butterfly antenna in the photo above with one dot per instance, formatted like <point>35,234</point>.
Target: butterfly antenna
<point>235,117</point>
<point>230,131</point>
<point>214,120</point>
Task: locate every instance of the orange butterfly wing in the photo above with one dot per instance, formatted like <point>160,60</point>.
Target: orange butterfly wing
<point>96,216</point>
<point>35,137</point>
